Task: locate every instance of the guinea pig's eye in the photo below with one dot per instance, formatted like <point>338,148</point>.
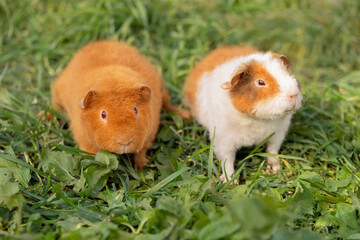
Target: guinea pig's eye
<point>261,83</point>
<point>103,115</point>
<point>135,110</point>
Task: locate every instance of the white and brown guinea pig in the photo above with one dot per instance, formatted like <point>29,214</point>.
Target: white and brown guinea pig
<point>246,95</point>
<point>113,97</point>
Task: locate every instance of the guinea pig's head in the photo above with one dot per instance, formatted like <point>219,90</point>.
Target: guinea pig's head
<point>265,88</point>
<point>117,120</point>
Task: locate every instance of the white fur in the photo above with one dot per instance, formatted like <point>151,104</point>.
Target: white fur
<point>235,129</point>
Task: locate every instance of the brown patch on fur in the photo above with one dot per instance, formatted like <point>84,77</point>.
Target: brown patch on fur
<point>283,59</point>
<point>121,78</point>
<point>298,85</point>
<point>209,63</point>
<point>244,92</point>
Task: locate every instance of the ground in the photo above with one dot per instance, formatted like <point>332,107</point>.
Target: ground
<point>51,190</point>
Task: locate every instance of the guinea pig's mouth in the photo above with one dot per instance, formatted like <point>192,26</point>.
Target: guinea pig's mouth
<point>292,110</point>
<point>125,147</point>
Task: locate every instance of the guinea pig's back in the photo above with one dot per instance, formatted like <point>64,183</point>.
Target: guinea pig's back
<point>209,63</point>
<point>106,53</point>
<point>71,82</point>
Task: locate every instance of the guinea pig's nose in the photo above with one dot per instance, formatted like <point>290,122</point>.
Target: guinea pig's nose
<point>125,144</point>
<point>293,96</point>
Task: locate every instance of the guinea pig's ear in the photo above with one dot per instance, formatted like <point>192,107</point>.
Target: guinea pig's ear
<point>285,61</point>
<point>237,76</point>
<point>144,92</point>
<point>86,101</point>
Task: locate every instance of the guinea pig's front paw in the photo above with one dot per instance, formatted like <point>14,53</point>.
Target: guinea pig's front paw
<point>224,180</point>
<point>45,117</point>
<point>185,114</point>
<point>140,161</point>
<point>274,164</point>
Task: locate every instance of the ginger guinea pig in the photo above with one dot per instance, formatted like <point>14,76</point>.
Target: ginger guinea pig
<point>246,95</point>
<point>113,97</point>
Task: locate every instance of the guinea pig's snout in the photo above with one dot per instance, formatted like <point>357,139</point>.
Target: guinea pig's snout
<point>293,96</point>
<point>126,144</point>
<point>291,102</point>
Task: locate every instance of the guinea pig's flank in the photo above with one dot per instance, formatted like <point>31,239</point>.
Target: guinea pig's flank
<point>245,95</point>
<point>113,97</point>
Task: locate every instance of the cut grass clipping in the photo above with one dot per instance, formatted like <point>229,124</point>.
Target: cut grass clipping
<point>49,189</point>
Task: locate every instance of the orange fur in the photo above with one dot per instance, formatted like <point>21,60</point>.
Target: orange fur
<point>119,79</point>
<point>209,63</point>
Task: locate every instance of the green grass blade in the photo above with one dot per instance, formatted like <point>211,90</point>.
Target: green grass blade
<point>211,155</point>
<point>164,182</point>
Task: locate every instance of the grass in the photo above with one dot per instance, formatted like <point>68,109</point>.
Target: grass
<point>51,190</point>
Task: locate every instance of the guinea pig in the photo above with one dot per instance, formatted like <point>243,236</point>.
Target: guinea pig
<point>113,97</point>
<point>246,95</point>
